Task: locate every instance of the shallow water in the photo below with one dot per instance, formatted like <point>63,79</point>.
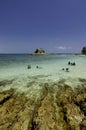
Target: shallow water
<point>14,72</point>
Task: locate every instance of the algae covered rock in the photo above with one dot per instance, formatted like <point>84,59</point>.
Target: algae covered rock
<point>4,96</point>
<point>57,108</point>
<point>70,110</point>
<point>15,113</point>
<point>45,118</point>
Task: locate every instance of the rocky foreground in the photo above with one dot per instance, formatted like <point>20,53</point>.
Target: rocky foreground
<point>61,109</point>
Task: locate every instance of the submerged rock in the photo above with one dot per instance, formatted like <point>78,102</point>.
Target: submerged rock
<point>72,113</point>
<point>14,113</point>
<point>58,108</point>
<point>45,118</point>
<point>5,82</point>
<point>4,96</point>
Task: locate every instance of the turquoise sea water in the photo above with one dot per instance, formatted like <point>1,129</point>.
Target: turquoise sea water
<point>15,74</point>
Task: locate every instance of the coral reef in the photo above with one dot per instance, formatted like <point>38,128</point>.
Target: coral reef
<point>61,108</point>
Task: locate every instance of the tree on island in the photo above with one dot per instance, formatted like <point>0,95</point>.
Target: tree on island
<point>84,50</point>
<point>39,51</point>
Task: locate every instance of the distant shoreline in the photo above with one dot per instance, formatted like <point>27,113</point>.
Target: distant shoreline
<point>43,54</point>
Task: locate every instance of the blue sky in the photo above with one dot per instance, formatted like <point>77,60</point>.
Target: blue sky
<point>54,25</point>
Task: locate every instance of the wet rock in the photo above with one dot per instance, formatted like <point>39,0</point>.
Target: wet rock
<point>71,112</point>
<point>4,96</point>
<point>65,95</point>
<point>82,80</point>
<point>83,125</point>
<point>15,113</point>
<point>45,118</point>
<point>73,116</point>
<point>80,99</point>
<point>5,82</point>
<point>57,108</point>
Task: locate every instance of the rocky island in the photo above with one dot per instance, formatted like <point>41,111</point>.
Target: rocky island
<point>39,51</point>
<point>83,50</point>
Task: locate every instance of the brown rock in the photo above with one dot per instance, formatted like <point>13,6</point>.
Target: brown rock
<point>45,118</point>
<point>15,113</point>
<point>6,95</point>
<point>56,109</point>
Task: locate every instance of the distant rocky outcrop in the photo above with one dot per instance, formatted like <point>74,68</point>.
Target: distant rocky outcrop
<point>84,50</point>
<point>39,51</point>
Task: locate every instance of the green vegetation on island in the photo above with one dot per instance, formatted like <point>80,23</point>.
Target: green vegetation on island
<point>84,50</point>
<point>39,51</point>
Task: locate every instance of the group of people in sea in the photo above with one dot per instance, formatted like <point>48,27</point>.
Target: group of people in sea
<point>65,69</point>
<point>29,67</point>
<point>69,63</point>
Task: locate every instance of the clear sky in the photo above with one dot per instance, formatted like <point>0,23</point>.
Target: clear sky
<point>54,25</point>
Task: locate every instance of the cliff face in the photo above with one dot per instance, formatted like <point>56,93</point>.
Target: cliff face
<point>39,51</point>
